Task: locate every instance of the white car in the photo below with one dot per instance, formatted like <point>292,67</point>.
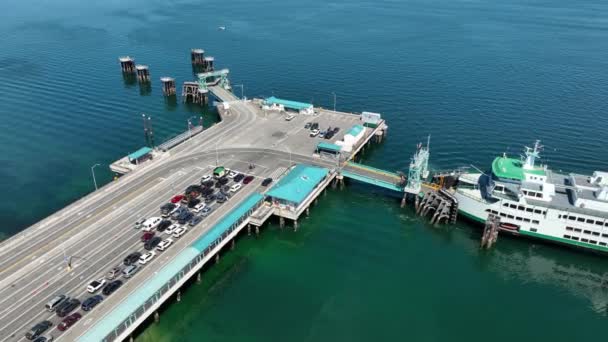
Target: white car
<point>179,232</point>
<point>146,257</point>
<point>171,229</point>
<point>151,223</point>
<point>139,222</point>
<point>236,187</point>
<point>95,285</point>
<point>289,117</point>
<point>197,208</point>
<point>164,244</point>
<point>232,174</point>
<point>205,178</point>
<point>314,132</point>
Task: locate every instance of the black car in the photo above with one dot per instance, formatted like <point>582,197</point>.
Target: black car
<point>223,180</point>
<point>165,209</point>
<point>208,191</point>
<point>315,125</point>
<point>220,198</point>
<point>44,339</point>
<point>178,212</point>
<point>266,181</point>
<point>210,198</point>
<point>69,307</point>
<point>218,184</point>
<point>336,130</point>
<point>207,184</point>
<point>194,188</point>
<point>239,177</point>
<point>111,287</point>
<point>195,220</point>
<point>185,217</point>
<point>193,203</point>
<point>91,302</point>
<point>307,126</point>
<point>150,244</point>
<point>131,258</point>
<point>38,329</point>
<point>164,224</point>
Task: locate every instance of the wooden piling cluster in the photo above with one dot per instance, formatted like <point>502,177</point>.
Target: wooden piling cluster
<point>143,73</point>
<point>127,64</point>
<point>168,84</point>
<point>441,204</point>
<point>202,63</point>
<point>490,231</point>
<point>192,93</point>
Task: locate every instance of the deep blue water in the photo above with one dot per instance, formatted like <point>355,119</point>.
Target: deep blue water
<point>482,77</point>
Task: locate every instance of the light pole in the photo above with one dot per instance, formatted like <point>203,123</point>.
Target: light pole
<point>334,100</point>
<point>242,90</point>
<point>288,150</point>
<point>93,173</point>
<point>190,124</point>
<point>217,156</point>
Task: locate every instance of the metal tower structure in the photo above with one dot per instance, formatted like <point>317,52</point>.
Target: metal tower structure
<point>419,168</point>
<point>213,78</point>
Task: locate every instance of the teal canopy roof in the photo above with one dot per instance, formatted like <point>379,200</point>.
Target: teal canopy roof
<point>139,153</point>
<point>298,183</point>
<point>355,130</point>
<point>325,146</point>
<point>287,104</point>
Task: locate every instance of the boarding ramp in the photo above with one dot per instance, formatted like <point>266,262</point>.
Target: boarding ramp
<point>222,94</point>
<point>373,176</point>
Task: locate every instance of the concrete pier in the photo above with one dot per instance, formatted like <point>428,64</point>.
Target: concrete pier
<point>168,84</point>
<point>127,65</point>
<point>143,73</point>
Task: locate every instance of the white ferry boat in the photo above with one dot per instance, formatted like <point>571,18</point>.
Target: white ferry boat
<point>534,201</point>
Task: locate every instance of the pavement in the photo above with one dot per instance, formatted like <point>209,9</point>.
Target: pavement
<point>96,232</point>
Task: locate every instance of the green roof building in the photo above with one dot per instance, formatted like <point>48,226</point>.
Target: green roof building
<point>295,186</point>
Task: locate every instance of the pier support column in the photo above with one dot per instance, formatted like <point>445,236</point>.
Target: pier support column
<point>248,229</point>
<point>281,222</point>
<point>156,317</point>
<point>307,211</point>
<point>198,278</point>
<point>217,257</point>
<point>232,245</point>
<point>295,225</point>
<point>316,201</point>
<point>403,200</point>
<point>179,296</point>
<point>257,230</point>
<point>131,338</point>
<point>334,183</point>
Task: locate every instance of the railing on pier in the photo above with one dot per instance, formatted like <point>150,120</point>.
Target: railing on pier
<point>143,301</point>
<point>371,175</point>
<point>180,138</point>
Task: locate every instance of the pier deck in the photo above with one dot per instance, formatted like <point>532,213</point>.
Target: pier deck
<point>96,232</point>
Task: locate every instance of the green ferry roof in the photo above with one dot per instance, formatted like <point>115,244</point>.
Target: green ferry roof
<point>504,167</point>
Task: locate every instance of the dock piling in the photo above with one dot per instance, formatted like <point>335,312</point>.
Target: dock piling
<point>143,73</point>
<point>198,278</point>
<point>217,257</point>
<point>232,244</point>
<point>127,65</point>
<point>156,317</point>
<point>248,229</point>
<point>168,86</point>
<point>197,56</point>
<point>179,296</point>
<point>295,225</point>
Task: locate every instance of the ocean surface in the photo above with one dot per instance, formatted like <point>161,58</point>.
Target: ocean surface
<point>482,77</point>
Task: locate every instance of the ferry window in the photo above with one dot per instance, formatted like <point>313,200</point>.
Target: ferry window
<point>505,204</point>
<point>595,233</point>
<point>503,214</point>
<point>518,218</point>
<point>593,242</point>
<point>525,192</point>
<point>521,208</point>
<point>606,223</point>
<point>512,206</point>
<point>566,236</point>
<point>510,216</point>
<point>577,230</point>
<point>571,218</point>
<point>574,238</point>
<point>536,211</point>
<point>559,216</point>
<point>587,231</point>
<point>599,223</point>
<point>532,229</point>
<point>529,210</point>
<point>539,195</point>
<point>605,235</point>
<point>584,240</point>
<point>545,212</point>
<point>526,219</point>
<point>535,221</point>
<point>590,221</point>
<point>487,210</point>
<point>580,219</point>
<point>602,244</point>
<point>568,228</point>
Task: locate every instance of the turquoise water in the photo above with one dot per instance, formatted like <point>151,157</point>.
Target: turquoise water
<point>482,77</point>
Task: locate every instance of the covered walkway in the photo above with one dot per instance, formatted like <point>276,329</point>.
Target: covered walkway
<point>371,175</point>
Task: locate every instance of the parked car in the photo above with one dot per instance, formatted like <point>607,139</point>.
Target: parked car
<point>91,302</point>
<point>315,125</point>
<point>329,135</point>
<point>111,287</point>
<point>164,224</point>
<point>150,244</point>
<point>69,321</point>
<point>266,181</point>
<point>322,134</point>
<point>131,259</point>
<point>289,117</point>
<point>208,184</point>
<point>113,273</point>
<point>167,209</point>
<point>232,174</point>
<point>199,207</point>
<point>179,232</point>
<point>195,220</point>
<point>171,228</point>
<point>129,271</point>
<point>307,126</point>
<point>179,212</point>
<point>247,179</point>
<point>220,198</point>
<point>67,308</point>
<point>54,303</point>
<point>208,191</point>
<point>139,222</point>
<point>177,198</point>
<point>193,203</point>
<point>209,199</point>
<point>206,211</point>
<point>336,129</point>
<point>38,330</point>
<point>147,236</point>
<point>314,132</point>
<point>236,187</point>
<point>224,180</point>
<point>164,244</point>
<point>45,339</point>
<point>238,177</point>
<point>182,219</point>
<point>205,178</point>
<point>151,223</point>
<point>95,285</point>
<point>145,258</point>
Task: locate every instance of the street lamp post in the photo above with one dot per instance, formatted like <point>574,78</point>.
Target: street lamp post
<point>288,150</point>
<point>334,100</point>
<point>93,173</point>
<point>242,90</point>
<point>190,124</point>
<point>217,156</point>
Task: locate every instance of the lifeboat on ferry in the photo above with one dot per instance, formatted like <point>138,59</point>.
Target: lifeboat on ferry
<point>509,226</point>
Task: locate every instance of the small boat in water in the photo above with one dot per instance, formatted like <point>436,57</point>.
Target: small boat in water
<point>222,28</point>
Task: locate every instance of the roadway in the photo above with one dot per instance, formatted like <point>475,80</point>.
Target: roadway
<point>97,230</point>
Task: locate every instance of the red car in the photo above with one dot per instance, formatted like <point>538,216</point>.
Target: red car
<point>147,236</point>
<point>177,198</point>
<point>247,179</point>
<point>69,321</point>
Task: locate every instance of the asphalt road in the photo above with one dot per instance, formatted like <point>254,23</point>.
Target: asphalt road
<point>97,232</point>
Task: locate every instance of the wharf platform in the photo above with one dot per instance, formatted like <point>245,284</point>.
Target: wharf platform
<point>64,252</point>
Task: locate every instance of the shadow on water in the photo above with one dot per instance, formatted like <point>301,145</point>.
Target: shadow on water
<point>171,103</point>
<point>129,80</point>
<point>145,89</point>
